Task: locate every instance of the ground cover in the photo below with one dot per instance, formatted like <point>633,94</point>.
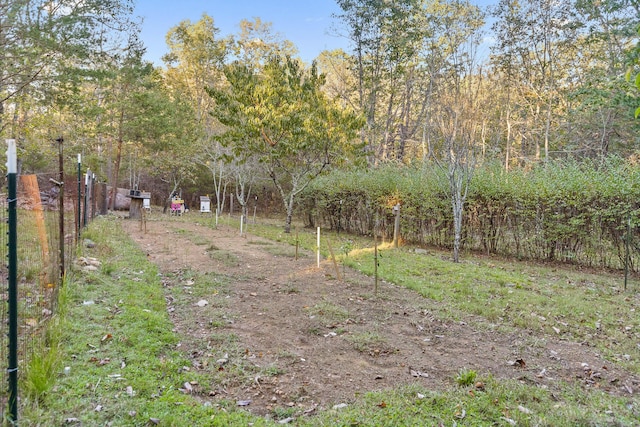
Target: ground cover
<point>243,332</point>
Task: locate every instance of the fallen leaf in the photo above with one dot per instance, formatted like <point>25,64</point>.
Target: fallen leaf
<point>382,404</point>
<point>510,421</point>
<point>154,421</point>
<point>187,387</point>
<point>418,374</point>
<point>98,408</point>
<point>106,337</point>
<point>310,410</point>
<point>524,410</point>
<point>202,303</point>
<point>519,363</point>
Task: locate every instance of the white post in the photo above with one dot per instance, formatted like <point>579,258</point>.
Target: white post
<point>12,156</point>
<point>241,222</point>
<point>318,247</point>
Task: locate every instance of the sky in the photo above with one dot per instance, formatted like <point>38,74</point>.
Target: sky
<point>306,23</point>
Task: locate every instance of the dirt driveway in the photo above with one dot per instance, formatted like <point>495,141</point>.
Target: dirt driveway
<point>286,334</point>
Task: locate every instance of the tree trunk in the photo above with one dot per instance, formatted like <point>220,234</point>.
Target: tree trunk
<point>289,206</point>
<point>457,202</point>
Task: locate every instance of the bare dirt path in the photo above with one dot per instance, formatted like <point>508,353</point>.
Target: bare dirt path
<point>315,341</point>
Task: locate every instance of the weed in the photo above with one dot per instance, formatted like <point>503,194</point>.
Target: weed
<point>272,371</point>
<point>329,312</point>
<point>365,342</point>
<point>466,377</point>
<point>290,288</point>
<point>283,412</point>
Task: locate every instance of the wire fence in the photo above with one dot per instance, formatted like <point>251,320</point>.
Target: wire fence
<point>47,229</point>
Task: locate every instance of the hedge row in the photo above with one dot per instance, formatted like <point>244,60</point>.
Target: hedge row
<point>564,211</point>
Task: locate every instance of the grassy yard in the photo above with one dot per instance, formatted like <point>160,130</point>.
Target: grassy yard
<point>114,359</point>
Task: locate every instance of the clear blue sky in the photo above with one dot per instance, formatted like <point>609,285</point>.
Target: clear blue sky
<point>306,23</point>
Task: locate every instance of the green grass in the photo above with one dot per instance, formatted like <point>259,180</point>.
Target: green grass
<point>501,403</point>
<point>328,312</point>
<point>124,367</point>
<point>365,342</point>
<point>227,258</point>
<point>125,339</point>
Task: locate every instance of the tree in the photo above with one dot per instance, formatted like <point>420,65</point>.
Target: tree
<point>459,110</point>
<point>281,116</point>
<point>194,63</point>
<point>386,38</point>
<point>46,45</point>
<point>601,99</point>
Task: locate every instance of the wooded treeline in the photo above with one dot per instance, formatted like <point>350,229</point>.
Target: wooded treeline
<point>438,82</point>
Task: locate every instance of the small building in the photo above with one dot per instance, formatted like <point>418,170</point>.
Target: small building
<point>205,204</point>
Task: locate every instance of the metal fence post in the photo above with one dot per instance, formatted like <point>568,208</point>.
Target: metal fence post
<point>78,223</point>
<point>12,367</point>
<point>86,189</point>
<point>61,204</point>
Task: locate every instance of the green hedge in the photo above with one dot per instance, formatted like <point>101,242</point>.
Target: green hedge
<point>561,211</point>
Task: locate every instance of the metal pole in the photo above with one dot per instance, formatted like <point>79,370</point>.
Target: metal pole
<point>12,368</point>
<point>93,197</point>
<point>61,198</point>
<point>79,194</point>
<point>86,187</point>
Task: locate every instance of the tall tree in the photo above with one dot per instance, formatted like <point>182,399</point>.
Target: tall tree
<point>51,43</point>
<point>194,63</point>
<point>601,101</point>
<point>459,110</point>
<point>281,116</point>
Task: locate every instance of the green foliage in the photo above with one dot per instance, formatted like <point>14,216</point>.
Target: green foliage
<point>498,403</point>
<point>279,116</point>
<point>565,211</point>
<point>466,377</point>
